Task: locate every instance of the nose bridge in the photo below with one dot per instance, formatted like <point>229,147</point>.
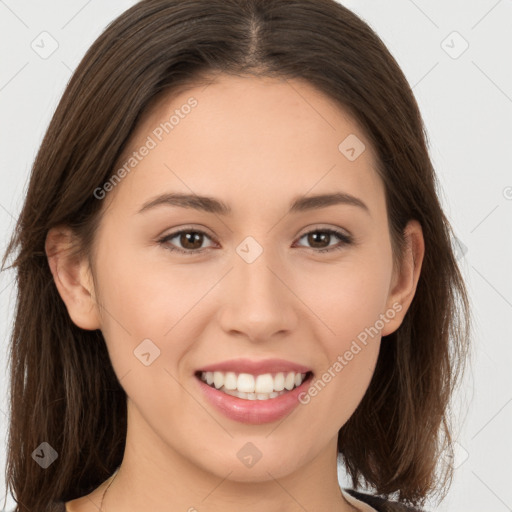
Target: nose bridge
<point>259,304</point>
<point>256,283</point>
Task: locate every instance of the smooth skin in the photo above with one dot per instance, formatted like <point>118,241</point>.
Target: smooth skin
<point>256,144</point>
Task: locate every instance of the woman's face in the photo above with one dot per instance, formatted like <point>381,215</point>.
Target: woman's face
<point>253,284</point>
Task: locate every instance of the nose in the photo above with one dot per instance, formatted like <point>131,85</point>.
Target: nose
<point>257,302</point>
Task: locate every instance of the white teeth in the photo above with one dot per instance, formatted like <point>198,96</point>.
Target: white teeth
<point>289,381</point>
<point>218,379</point>
<point>251,387</point>
<point>279,382</point>
<point>265,383</point>
<point>245,383</point>
<point>230,380</point>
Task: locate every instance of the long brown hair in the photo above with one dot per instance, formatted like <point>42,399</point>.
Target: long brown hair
<point>63,388</point>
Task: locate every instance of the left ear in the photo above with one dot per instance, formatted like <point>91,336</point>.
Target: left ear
<point>405,280</point>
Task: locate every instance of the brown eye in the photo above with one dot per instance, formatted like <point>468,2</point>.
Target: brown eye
<point>191,241</point>
<point>319,237</point>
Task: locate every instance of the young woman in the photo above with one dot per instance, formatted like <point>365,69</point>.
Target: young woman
<point>234,271</point>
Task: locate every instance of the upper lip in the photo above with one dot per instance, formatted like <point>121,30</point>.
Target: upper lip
<point>256,367</point>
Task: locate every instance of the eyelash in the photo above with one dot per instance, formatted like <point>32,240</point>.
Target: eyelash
<point>346,240</point>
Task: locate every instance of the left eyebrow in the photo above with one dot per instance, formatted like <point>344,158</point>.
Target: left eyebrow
<point>305,203</point>
<point>212,205</point>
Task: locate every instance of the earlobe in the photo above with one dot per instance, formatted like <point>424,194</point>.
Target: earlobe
<point>406,281</point>
<point>72,277</point>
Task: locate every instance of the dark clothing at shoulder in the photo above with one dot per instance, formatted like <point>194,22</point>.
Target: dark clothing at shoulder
<point>381,504</point>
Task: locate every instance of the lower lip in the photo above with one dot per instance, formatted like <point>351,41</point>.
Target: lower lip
<point>254,412</point>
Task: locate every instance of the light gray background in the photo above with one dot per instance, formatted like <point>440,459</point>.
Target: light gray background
<point>466,101</point>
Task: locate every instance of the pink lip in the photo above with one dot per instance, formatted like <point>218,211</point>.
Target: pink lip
<point>253,411</point>
<point>255,367</point>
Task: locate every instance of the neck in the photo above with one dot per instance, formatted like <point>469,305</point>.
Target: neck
<point>137,486</point>
<point>155,477</point>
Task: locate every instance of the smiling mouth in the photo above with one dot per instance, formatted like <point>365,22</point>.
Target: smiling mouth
<point>254,387</point>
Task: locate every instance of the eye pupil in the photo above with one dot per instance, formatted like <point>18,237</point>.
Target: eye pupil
<point>314,236</point>
<point>186,238</point>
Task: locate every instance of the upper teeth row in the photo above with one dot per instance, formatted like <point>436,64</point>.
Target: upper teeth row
<point>247,383</point>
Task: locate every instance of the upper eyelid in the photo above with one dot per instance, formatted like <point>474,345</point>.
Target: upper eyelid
<point>206,231</point>
<point>188,229</point>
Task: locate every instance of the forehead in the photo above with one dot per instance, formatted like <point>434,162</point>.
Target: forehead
<point>265,135</point>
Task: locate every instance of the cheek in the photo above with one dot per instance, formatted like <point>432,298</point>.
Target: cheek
<point>147,328</point>
<point>140,288</point>
<point>350,300</point>
<point>141,302</point>
<point>350,356</point>
<point>335,393</point>
<point>348,296</point>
